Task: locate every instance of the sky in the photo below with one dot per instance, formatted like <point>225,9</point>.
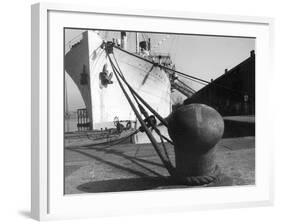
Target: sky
<point>205,57</point>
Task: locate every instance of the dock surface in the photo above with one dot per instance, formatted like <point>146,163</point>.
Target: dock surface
<point>132,167</point>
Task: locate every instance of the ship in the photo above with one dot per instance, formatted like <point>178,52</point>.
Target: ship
<point>119,85</point>
<point>87,63</point>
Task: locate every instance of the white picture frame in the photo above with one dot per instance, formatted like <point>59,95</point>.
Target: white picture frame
<point>48,201</point>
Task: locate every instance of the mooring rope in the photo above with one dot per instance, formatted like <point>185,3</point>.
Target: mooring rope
<point>114,142</point>
<point>163,144</point>
<point>144,112</point>
<point>140,107</point>
<point>165,161</point>
<point>163,121</point>
<point>190,180</point>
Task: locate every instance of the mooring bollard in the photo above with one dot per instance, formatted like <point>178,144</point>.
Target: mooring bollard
<point>195,130</point>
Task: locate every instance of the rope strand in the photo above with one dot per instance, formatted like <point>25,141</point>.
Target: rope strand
<point>165,161</point>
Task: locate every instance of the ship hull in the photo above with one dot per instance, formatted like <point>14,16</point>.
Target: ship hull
<point>105,101</point>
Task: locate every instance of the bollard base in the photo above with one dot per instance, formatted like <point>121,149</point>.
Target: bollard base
<point>203,180</point>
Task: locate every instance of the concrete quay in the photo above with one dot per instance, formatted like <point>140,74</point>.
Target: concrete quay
<point>131,167</point>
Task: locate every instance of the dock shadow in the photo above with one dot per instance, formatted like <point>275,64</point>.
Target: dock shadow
<point>146,183</point>
<point>132,184</point>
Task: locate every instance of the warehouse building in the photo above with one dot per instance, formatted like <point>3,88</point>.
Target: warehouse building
<point>233,93</point>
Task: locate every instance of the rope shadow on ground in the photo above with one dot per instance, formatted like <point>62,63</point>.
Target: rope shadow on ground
<point>115,165</point>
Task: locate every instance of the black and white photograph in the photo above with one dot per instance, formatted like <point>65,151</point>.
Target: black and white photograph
<point>153,111</point>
